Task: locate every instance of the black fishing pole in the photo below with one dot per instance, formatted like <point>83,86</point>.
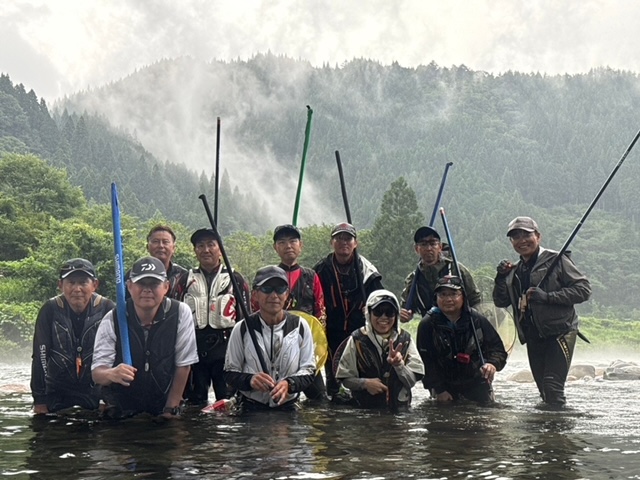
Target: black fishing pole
<point>217,174</point>
<point>356,256</point>
<point>459,274</point>
<point>414,281</point>
<point>236,289</point>
<point>564,248</point>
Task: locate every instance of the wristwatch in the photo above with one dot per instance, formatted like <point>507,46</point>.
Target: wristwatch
<point>172,410</point>
<point>292,384</point>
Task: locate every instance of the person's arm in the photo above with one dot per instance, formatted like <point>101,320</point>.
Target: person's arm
<point>41,346</point>
<point>426,349</point>
<point>307,362</point>
<point>500,294</point>
<point>492,345</point>
<point>350,376</point>
<point>234,360</point>
<point>411,369</point>
<point>575,286</point>
<point>319,310</point>
<point>471,289</point>
<point>179,381</point>
<point>103,371</point>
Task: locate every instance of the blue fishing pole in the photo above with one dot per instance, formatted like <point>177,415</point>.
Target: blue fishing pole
<point>121,306</point>
<point>414,282</point>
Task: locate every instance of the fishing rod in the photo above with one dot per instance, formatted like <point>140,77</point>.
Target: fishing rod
<point>459,274</point>
<point>356,256</point>
<point>414,281</point>
<point>121,305</point>
<point>307,135</point>
<point>217,174</point>
<point>564,248</point>
<point>236,289</point>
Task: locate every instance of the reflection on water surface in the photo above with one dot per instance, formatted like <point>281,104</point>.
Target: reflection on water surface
<point>598,437</point>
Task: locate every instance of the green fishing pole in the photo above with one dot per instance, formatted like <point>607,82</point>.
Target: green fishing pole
<point>307,135</point>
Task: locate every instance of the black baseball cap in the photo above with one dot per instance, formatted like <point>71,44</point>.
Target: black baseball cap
<point>148,267</point>
<point>450,281</point>
<point>203,233</point>
<point>77,265</point>
<point>290,230</point>
<point>344,227</point>
<point>264,274</point>
<point>424,232</point>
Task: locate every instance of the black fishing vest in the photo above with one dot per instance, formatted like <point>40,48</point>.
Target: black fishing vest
<point>69,358</point>
<point>301,297</point>
<point>154,359</point>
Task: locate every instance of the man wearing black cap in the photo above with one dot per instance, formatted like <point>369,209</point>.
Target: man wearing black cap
<point>305,290</point>
<point>544,313</point>
<point>209,293</point>
<point>63,341</point>
<point>433,266</point>
<point>270,356</point>
<point>162,346</point>
<point>346,286</point>
<point>452,363</point>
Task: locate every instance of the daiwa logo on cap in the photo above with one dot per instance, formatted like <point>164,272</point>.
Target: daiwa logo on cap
<point>148,267</point>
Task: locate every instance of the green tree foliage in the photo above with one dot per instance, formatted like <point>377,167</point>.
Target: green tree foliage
<point>392,234</point>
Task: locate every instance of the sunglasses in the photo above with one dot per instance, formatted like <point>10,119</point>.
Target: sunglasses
<point>268,289</point>
<point>388,312</point>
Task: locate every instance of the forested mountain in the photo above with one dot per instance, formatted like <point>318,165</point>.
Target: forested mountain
<point>96,154</point>
<point>521,144</point>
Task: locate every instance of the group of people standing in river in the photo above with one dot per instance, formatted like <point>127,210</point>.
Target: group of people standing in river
<point>190,330</point>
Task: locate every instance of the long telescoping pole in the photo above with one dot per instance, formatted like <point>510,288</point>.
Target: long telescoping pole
<point>459,274</point>
<point>564,248</point>
<point>307,136</point>
<point>414,281</point>
<point>236,289</point>
<point>217,174</point>
<point>356,256</point>
<point>121,306</point>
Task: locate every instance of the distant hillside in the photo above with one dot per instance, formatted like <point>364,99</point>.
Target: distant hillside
<point>95,154</point>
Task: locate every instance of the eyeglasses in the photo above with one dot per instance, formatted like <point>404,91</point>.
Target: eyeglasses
<point>451,294</point>
<point>269,289</point>
<point>430,244</point>
<point>157,242</point>
<point>521,235</point>
<point>388,312</point>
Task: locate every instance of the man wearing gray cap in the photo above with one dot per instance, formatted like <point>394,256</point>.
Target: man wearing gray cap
<point>273,362</point>
<point>544,313</point>
<point>163,346</point>
<point>63,341</point>
<point>420,290</point>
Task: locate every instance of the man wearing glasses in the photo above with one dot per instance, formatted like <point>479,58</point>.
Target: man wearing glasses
<point>544,313</point>
<point>420,284</point>
<point>209,293</point>
<point>273,362</point>
<point>446,342</point>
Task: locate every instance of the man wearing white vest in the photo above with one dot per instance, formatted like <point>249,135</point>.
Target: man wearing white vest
<point>208,292</point>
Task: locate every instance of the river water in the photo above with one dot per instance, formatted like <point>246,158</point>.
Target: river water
<point>597,437</point>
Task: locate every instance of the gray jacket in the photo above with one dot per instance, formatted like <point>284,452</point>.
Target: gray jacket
<point>565,285</point>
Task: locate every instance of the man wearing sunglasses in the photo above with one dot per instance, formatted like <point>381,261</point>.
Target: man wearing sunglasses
<point>544,313</point>
<point>63,341</point>
<point>162,342</point>
<point>446,342</point>
<point>209,293</point>
<point>433,266</point>
<point>379,362</point>
<point>270,357</point>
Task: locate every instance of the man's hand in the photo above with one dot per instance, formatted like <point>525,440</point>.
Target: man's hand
<point>405,315</point>
<point>40,409</point>
<point>122,374</point>
<point>280,391</point>
<point>537,295</point>
<point>262,382</point>
<point>504,267</point>
<point>488,371</point>
<point>444,397</point>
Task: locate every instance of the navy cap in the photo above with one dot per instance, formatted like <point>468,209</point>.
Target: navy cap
<point>202,233</point>
<point>424,232</point>
<point>290,230</point>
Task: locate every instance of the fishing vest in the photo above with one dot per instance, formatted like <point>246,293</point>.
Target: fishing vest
<point>301,296</point>
<point>215,307</point>
<point>67,364</point>
<point>372,365</point>
<point>153,357</point>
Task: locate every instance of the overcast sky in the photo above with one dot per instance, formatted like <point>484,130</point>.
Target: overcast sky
<point>58,47</point>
